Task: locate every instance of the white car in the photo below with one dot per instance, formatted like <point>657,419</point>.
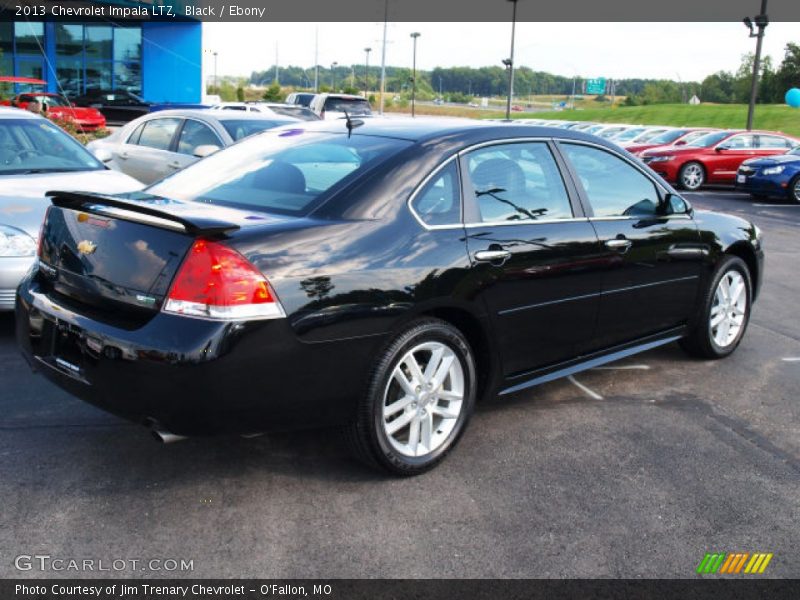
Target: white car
<point>36,156</point>
<point>296,111</point>
<point>334,106</point>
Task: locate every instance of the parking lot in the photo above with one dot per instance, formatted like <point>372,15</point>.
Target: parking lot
<point>633,470</point>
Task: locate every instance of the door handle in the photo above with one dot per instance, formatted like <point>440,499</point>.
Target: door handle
<point>492,255</point>
<point>619,244</point>
<point>174,165</point>
<point>123,155</point>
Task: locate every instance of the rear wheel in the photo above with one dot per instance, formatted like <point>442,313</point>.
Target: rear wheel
<point>692,176</point>
<point>419,398</point>
<point>724,311</point>
<point>794,189</point>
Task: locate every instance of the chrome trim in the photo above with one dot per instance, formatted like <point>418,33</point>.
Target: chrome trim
<point>537,222</point>
<point>491,255</point>
<point>641,217</point>
<point>422,184</point>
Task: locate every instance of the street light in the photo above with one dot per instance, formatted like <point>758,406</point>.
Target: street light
<point>333,76</point>
<point>761,22</point>
<point>414,36</point>
<point>366,72</point>
<point>216,81</point>
<point>509,62</point>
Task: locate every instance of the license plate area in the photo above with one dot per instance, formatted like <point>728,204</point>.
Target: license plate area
<point>67,354</point>
<point>741,178</point>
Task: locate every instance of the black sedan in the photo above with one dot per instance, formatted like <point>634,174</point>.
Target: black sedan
<point>377,275</point>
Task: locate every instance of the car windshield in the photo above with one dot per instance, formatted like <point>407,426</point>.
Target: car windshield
<point>794,151</point>
<point>648,135</point>
<point>240,129</point>
<point>289,171</point>
<point>353,106</point>
<point>690,137</point>
<point>667,137</point>
<point>710,139</point>
<point>629,134</point>
<point>38,146</point>
<point>45,99</point>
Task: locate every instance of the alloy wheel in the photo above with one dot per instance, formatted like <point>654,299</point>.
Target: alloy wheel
<point>692,176</point>
<point>423,399</point>
<point>728,310</point>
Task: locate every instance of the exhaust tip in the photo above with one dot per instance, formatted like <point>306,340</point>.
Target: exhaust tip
<point>165,437</point>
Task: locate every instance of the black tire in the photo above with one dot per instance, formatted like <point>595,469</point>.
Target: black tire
<point>692,187</point>
<point>367,438</point>
<point>794,190</point>
<point>700,341</point>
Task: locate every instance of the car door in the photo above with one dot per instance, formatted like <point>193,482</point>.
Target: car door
<point>148,158</point>
<point>192,135</point>
<point>651,249</point>
<point>723,162</point>
<point>533,251</point>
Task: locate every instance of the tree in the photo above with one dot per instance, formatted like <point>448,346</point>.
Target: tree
<point>274,93</point>
<point>788,74</point>
<point>240,94</point>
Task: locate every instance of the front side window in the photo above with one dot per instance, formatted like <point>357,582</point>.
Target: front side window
<point>439,202</point>
<point>517,182</point>
<point>740,142</point>
<point>194,134</point>
<point>158,133</point>
<point>289,171</point>
<point>613,186</point>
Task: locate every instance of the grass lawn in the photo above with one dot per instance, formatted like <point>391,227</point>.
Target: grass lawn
<point>775,117</point>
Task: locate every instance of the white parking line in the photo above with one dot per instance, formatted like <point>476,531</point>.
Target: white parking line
<point>591,393</point>
<point>791,359</point>
<point>624,368</point>
<point>777,205</point>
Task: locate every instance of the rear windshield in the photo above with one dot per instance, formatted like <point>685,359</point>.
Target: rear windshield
<point>241,129</point>
<point>290,171</point>
<point>353,106</point>
<point>29,146</point>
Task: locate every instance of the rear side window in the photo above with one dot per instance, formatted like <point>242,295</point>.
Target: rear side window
<point>158,133</point>
<point>770,142</point>
<point>134,137</point>
<point>439,202</point>
<point>194,134</point>
<point>517,182</point>
<point>615,188</point>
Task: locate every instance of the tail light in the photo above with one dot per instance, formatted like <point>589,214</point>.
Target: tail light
<point>216,282</point>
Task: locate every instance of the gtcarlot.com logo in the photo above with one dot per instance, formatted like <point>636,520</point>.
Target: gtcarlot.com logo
<point>45,562</point>
<point>734,563</point>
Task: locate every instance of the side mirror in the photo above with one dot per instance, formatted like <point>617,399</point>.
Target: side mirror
<point>102,154</point>
<point>722,148</point>
<point>205,150</point>
<point>675,205</point>
<point>680,143</point>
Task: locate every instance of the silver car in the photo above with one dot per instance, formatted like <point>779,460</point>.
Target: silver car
<point>159,144</point>
<point>36,157</point>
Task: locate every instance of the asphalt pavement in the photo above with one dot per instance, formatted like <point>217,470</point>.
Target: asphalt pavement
<point>633,470</point>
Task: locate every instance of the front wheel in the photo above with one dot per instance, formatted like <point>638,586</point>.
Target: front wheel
<point>419,398</point>
<point>692,176</point>
<point>794,190</point>
<point>724,311</point>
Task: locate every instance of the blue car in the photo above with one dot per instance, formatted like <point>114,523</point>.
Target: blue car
<point>777,175</point>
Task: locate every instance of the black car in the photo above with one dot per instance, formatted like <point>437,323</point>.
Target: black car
<point>378,275</point>
<point>117,106</point>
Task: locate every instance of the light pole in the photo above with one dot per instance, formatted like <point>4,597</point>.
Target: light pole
<point>414,36</point>
<point>366,72</point>
<point>333,76</point>
<point>509,62</point>
<point>761,22</point>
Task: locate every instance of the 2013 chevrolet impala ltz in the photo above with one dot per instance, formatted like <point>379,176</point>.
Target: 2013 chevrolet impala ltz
<point>378,275</point>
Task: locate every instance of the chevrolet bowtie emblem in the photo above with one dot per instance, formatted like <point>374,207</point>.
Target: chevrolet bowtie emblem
<point>86,247</point>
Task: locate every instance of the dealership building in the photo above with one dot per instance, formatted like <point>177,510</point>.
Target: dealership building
<point>160,61</point>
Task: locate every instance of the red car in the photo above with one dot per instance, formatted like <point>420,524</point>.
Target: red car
<point>714,157</point>
<point>85,118</point>
<point>671,137</point>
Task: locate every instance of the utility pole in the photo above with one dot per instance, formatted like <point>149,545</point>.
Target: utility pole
<point>366,72</point>
<point>509,62</point>
<point>216,81</point>
<point>333,76</point>
<point>383,52</point>
<point>761,22</point>
<point>414,36</point>
<point>316,60</point>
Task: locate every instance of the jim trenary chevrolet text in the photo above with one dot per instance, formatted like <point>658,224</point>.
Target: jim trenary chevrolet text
<point>380,276</point>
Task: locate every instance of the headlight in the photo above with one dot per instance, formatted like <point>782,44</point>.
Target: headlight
<point>15,242</point>
<point>773,170</point>
<point>661,158</point>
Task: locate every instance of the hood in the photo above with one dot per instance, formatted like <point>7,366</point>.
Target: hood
<point>23,204</point>
<point>777,159</point>
<point>103,181</point>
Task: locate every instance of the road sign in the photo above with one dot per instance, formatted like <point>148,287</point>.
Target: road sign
<point>596,86</point>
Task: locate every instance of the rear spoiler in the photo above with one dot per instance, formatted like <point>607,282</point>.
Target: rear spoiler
<point>195,225</point>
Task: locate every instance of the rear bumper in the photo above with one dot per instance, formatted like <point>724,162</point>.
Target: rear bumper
<point>193,376</point>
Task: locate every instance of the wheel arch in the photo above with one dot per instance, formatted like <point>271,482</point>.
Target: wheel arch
<point>745,251</point>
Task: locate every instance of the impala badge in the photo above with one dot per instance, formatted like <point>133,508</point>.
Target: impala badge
<point>86,247</point>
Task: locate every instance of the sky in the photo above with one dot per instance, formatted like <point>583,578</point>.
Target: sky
<point>678,51</point>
